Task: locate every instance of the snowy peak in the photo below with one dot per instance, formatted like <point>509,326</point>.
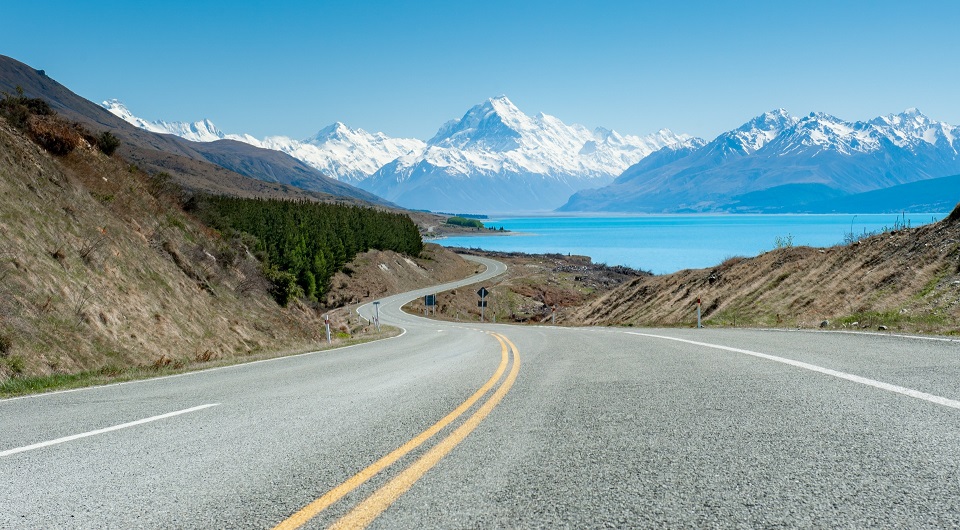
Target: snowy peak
<point>912,123</point>
<point>199,131</point>
<point>495,125</point>
<point>336,150</point>
<point>497,155</point>
<point>753,135</point>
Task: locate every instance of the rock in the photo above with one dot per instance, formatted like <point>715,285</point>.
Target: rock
<point>882,328</point>
<point>825,323</point>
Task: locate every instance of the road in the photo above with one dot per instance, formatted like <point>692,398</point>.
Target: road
<point>482,425</point>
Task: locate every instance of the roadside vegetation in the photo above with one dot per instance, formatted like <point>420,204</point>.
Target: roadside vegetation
<point>303,244</point>
<point>104,276</point>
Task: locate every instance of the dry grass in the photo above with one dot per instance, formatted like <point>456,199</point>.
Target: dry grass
<point>532,286</point>
<point>101,278</point>
<point>907,280</point>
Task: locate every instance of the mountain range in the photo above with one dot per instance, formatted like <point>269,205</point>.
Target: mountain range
<point>226,166</point>
<point>495,158</point>
<point>779,162</point>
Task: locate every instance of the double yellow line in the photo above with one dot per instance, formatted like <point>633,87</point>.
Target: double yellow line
<point>369,509</point>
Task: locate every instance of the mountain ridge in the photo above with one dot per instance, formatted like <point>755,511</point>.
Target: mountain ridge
<point>189,163</point>
<point>499,159</point>
<point>775,150</point>
<point>539,159</point>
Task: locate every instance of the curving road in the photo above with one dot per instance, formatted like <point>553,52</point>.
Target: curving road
<point>479,425</point>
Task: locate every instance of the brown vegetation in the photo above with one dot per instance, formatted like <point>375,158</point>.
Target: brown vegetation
<point>906,280</point>
<point>102,272</point>
<point>531,288</point>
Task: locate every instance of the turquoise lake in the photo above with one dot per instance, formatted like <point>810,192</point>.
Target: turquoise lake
<point>668,243</point>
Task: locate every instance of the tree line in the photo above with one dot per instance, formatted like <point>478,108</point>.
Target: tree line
<point>302,243</point>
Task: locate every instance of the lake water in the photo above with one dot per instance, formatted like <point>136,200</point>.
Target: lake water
<point>668,243</point>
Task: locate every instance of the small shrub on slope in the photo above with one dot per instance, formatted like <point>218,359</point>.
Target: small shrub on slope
<point>955,215</point>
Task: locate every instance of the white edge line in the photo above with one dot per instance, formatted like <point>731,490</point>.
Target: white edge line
<point>104,430</point>
<point>195,372</point>
<point>814,368</point>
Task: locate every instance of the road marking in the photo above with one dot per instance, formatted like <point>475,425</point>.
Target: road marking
<point>314,508</point>
<point>104,430</point>
<point>371,508</point>
<point>939,400</point>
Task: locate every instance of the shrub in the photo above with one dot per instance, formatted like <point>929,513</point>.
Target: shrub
<point>463,221</point>
<point>955,215</point>
<point>107,143</point>
<point>784,242</point>
<point>18,109</point>
<point>54,134</point>
<point>283,285</point>
<point>6,344</point>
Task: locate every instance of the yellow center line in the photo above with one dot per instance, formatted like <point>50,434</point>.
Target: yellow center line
<point>314,508</point>
<point>371,508</point>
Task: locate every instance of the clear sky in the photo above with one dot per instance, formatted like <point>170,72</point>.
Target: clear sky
<point>404,68</point>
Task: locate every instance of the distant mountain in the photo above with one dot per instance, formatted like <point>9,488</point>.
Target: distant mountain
<point>937,195</point>
<point>496,159</point>
<point>237,170</point>
<point>780,162</point>
<point>346,154</point>
<point>199,131</point>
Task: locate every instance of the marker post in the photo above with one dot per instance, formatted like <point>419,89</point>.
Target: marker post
<point>699,324</point>
<point>326,323</point>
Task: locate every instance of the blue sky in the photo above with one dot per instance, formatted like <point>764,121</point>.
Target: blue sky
<point>404,68</point>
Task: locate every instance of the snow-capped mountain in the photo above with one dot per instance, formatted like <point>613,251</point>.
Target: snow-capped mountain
<point>777,161</point>
<point>496,158</point>
<point>199,131</point>
<point>337,151</point>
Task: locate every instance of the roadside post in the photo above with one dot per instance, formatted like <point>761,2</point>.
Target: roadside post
<point>483,292</point>
<point>699,324</point>
<point>553,315</point>
<point>430,301</point>
<point>326,323</point>
<point>376,317</point>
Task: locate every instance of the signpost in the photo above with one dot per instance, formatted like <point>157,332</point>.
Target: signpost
<point>376,318</point>
<point>483,292</point>
<point>430,301</point>
<point>699,324</point>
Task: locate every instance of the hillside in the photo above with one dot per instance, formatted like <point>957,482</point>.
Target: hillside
<point>218,167</point>
<point>906,280</point>
<point>103,276</point>
<point>931,195</point>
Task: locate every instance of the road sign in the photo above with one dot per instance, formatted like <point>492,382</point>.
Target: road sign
<point>483,292</point>
<point>482,303</point>
<point>430,300</point>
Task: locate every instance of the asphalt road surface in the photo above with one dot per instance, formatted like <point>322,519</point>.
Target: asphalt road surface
<point>469,425</point>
